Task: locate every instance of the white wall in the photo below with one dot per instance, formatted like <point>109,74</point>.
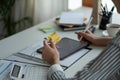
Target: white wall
<point>109,4</point>
<point>74,4</point>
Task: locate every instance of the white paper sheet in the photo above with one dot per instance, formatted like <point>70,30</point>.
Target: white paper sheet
<point>31,72</point>
<point>5,67</point>
<point>36,73</point>
<point>23,60</point>
<point>71,18</point>
<point>32,50</point>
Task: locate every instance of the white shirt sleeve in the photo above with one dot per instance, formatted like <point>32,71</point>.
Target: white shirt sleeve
<point>54,68</point>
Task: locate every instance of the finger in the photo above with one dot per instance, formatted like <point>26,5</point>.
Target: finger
<point>88,31</point>
<point>44,54</point>
<point>80,34</point>
<point>45,42</point>
<point>84,35</point>
<point>85,32</point>
<point>78,37</point>
<point>52,44</point>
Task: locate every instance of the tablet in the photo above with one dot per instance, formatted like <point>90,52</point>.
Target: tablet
<point>67,47</point>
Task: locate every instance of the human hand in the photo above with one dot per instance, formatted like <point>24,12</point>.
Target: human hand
<point>93,39</point>
<point>50,52</point>
<point>88,36</point>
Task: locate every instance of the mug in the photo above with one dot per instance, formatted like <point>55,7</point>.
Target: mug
<point>104,21</point>
<point>112,29</point>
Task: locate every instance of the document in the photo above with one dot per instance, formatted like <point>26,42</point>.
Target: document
<point>21,58</point>
<point>71,18</point>
<point>36,73</point>
<point>5,67</point>
<point>33,70</point>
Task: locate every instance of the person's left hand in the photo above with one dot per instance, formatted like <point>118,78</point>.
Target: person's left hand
<point>50,52</point>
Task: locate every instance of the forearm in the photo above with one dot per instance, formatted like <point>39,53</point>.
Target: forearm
<point>102,41</point>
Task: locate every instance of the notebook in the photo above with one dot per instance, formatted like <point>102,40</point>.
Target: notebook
<point>67,47</point>
<point>71,18</point>
<point>70,27</point>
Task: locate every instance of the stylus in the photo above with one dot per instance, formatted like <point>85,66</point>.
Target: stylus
<point>87,27</point>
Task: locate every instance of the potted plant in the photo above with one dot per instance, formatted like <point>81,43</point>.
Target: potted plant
<point>6,18</point>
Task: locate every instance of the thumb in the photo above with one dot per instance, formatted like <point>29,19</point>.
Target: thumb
<point>46,43</point>
<point>52,44</point>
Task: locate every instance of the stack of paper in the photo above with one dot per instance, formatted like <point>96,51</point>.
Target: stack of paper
<point>75,18</point>
<point>71,21</point>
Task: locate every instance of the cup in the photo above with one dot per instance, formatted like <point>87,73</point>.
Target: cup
<point>104,21</point>
<point>112,29</point>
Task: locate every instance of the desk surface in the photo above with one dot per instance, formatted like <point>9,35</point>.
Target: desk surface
<point>32,35</point>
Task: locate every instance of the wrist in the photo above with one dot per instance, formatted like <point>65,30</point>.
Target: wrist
<point>55,62</point>
<point>54,68</point>
<point>102,41</point>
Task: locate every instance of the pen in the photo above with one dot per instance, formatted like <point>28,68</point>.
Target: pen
<point>106,9</point>
<point>87,27</point>
<point>110,13</point>
<point>92,29</point>
<point>112,8</point>
<point>103,9</point>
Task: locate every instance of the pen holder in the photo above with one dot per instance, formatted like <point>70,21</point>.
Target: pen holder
<point>104,21</point>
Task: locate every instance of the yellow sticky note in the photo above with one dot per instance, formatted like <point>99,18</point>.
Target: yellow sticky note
<point>54,36</point>
<point>45,27</point>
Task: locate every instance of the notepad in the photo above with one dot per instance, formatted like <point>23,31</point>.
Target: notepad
<point>71,18</point>
<point>54,36</point>
<point>47,29</point>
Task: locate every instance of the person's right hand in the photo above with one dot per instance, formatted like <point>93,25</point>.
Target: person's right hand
<point>87,36</point>
<point>93,39</point>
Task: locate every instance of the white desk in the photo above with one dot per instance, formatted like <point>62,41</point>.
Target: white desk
<point>32,35</point>
<point>28,37</point>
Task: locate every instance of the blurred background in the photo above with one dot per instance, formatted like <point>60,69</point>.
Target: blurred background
<point>18,15</point>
